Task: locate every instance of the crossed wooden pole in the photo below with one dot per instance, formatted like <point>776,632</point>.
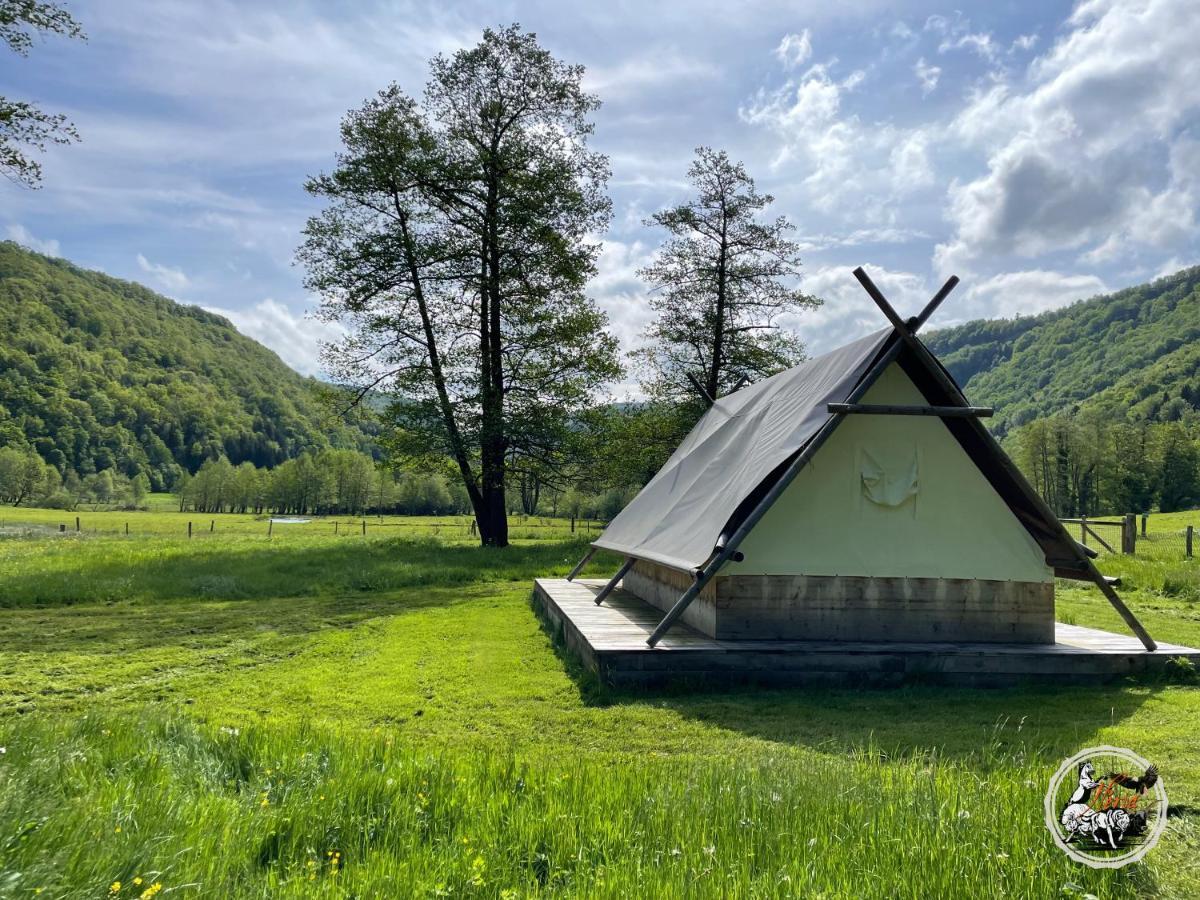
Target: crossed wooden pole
<point>1080,565</point>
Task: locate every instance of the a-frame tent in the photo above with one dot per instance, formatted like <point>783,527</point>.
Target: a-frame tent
<point>747,450</point>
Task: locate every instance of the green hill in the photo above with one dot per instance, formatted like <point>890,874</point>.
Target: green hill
<point>99,373</point>
<point>1130,356</point>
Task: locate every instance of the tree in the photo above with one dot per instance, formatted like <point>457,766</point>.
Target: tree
<point>24,126</point>
<point>456,245</point>
<point>722,281</point>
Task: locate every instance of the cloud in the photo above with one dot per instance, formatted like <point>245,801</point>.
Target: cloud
<point>1025,293</point>
<point>296,338</point>
<point>794,50</point>
<point>172,279</point>
<point>928,75</point>
<point>1074,156</point>
<point>956,34</point>
<point>848,312</point>
<point>22,236</point>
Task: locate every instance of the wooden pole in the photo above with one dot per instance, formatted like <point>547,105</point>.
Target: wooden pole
<point>335,526</point>
<point>77,523</point>
<point>1188,542</point>
<point>1129,535</point>
<point>364,527</point>
<point>270,525</point>
<point>62,529</point>
<point>612,582</point>
<point>212,526</point>
<point>1144,518</point>
<point>126,529</point>
<point>583,562</point>
<point>189,529</point>
<point>899,409</point>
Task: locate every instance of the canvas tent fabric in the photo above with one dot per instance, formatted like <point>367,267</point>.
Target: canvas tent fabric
<point>679,516</point>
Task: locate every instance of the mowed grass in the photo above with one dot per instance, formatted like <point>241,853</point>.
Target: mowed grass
<point>223,716</point>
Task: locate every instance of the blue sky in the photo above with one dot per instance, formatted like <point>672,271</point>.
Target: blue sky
<point>1042,151</point>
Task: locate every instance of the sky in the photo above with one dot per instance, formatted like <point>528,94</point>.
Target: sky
<point>1042,151</point>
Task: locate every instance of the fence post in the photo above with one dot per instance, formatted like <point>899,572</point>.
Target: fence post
<point>126,529</point>
<point>364,527</point>
<point>189,529</point>
<point>1129,534</point>
<point>77,523</point>
<point>335,527</point>
<point>270,525</point>
<point>62,529</point>
<point>1188,541</point>
<point>212,526</point>
<point>1144,518</point>
<point>572,524</point>
<point>1083,529</point>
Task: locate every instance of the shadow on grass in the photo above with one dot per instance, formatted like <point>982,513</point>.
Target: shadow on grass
<point>955,722</point>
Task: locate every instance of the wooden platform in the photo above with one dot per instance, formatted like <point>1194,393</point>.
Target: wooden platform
<point>611,641</point>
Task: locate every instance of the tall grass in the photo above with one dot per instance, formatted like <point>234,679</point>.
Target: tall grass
<point>301,812</point>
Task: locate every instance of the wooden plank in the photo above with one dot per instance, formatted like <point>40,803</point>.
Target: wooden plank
<point>896,409</point>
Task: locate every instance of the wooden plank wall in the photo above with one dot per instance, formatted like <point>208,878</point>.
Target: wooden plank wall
<point>852,608</point>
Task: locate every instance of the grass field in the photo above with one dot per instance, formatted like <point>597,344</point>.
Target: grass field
<point>383,716</point>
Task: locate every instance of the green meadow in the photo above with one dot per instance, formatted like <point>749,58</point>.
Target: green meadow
<point>321,714</point>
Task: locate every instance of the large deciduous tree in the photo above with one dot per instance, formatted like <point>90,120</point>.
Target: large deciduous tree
<point>24,126</point>
<point>455,246</point>
<point>721,282</point>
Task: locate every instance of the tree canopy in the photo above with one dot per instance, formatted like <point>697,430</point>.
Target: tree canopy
<point>721,281</point>
<point>456,245</point>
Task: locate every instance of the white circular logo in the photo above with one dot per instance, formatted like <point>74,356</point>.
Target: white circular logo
<point>1106,807</point>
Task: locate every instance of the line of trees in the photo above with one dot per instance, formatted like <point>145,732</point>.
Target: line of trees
<point>1089,464</point>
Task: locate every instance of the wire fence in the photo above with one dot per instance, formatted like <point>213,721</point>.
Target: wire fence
<point>1146,536</point>
<point>199,526</point>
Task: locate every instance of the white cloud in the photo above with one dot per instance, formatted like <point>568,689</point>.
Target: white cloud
<point>1025,293</point>
<point>956,34</point>
<point>1072,154</point>
<point>296,338</point>
<point>848,312</point>
<point>795,49</point>
<point>654,69</point>
<point>22,236</point>
<point>928,74</point>
<point>1024,42</point>
<point>171,278</point>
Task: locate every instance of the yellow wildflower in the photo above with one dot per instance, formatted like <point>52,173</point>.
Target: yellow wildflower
<point>137,880</point>
<point>115,887</point>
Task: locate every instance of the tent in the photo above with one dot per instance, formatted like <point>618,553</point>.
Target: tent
<point>857,496</point>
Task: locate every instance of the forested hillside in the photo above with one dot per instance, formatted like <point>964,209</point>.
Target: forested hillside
<point>102,374</point>
<point>1130,356</point>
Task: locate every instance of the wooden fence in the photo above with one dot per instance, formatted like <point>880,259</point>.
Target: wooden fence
<point>1130,535</point>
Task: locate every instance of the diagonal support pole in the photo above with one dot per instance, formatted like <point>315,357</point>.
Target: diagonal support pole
<point>947,384</point>
<point>612,582</point>
<point>583,562</point>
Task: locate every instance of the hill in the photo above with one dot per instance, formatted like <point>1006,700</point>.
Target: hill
<point>1130,356</point>
<point>99,373</point>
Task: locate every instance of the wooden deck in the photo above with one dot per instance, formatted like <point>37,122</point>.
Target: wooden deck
<point>611,641</point>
